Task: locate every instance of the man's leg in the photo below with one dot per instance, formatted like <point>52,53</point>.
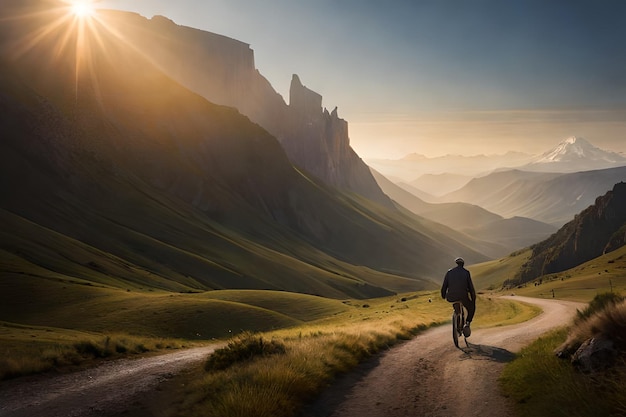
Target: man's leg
<point>470,305</point>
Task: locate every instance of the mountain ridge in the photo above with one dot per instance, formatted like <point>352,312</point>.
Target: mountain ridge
<point>573,154</point>
<point>489,232</point>
<point>553,198</point>
<point>222,70</point>
<point>596,231</point>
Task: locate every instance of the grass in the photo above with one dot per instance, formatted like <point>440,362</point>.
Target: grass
<point>207,256</point>
<point>542,384</point>
<point>193,316</point>
<point>26,350</point>
<point>582,283</point>
<point>83,322</point>
<point>490,275</point>
<point>306,358</point>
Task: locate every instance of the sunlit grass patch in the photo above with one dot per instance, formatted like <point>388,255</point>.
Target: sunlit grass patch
<point>502,312</point>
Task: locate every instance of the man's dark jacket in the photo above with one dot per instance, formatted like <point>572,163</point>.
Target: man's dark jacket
<point>457,284</point>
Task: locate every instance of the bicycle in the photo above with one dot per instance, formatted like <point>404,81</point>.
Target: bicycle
<point>458,321</point>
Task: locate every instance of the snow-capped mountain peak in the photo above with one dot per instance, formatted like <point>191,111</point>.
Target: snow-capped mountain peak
<point>574,154</point>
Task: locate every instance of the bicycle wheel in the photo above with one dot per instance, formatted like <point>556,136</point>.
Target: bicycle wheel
<point>455,329</point>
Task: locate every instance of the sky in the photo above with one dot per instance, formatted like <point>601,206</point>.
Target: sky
<point>437,77</point>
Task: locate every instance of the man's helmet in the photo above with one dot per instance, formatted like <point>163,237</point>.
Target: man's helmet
<point>459,261</point>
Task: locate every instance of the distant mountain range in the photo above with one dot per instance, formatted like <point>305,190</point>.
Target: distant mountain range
<point>488,232</point>
<point>413,166</point>
<point>440,175</point>
<point>552,198</point>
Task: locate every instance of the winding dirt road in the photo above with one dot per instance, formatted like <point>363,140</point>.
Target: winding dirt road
<point>426,376</point>
<point>108,389</point>
<point>429,377</point>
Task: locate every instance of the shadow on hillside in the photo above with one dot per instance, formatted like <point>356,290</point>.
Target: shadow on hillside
<point>484,352</point>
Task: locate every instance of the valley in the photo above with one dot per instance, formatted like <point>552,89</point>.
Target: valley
<point>160,199</point>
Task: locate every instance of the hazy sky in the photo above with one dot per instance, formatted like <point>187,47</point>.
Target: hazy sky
<point>437,76</point>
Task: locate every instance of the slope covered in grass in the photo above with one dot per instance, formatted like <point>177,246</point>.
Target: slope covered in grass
<point>606,273</point>
<point>491,275</point>
<point>200,316</point>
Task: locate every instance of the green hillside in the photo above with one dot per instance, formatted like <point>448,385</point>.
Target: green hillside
<point>603,274</point>
<point>51,301</point>
<point>583,282</point>
<point>491,275</point>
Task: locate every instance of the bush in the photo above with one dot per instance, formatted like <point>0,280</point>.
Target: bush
<point>599,303</point>
<point>244,348</point>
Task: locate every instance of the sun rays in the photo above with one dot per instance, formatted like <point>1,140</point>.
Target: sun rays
<point>61,28</point>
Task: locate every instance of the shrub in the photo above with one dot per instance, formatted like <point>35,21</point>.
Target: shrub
<point>243,348</point>
<point>599,303</point>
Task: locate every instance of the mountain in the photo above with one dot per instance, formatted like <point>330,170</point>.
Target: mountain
<point>422,195</point>
<point>112,174</point>
<point>487,232</point>
<point>437,175</point>
<point>599,229</point>
<point>413,166</point>
<point>222,70</point>
<point>552,198</point>
<point>440,184</point>
<point>573,155</point>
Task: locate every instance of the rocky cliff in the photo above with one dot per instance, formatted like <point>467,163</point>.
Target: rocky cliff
<point>599,229</point>
<point>222,70</point>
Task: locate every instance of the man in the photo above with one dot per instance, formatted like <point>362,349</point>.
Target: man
<point>458,286</point>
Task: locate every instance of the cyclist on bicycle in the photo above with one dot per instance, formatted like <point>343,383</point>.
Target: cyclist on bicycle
<point>458,286</point>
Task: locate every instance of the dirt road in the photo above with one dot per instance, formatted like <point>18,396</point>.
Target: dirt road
<point>429,377</point>
<point>108,389</point>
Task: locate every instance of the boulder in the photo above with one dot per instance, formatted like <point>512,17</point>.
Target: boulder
<point>595,354</point>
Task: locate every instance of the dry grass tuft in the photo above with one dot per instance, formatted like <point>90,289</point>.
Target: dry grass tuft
<point>244,347</point>
<point>604,318</point>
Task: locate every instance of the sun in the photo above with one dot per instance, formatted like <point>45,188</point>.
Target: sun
<point>82,9</point>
